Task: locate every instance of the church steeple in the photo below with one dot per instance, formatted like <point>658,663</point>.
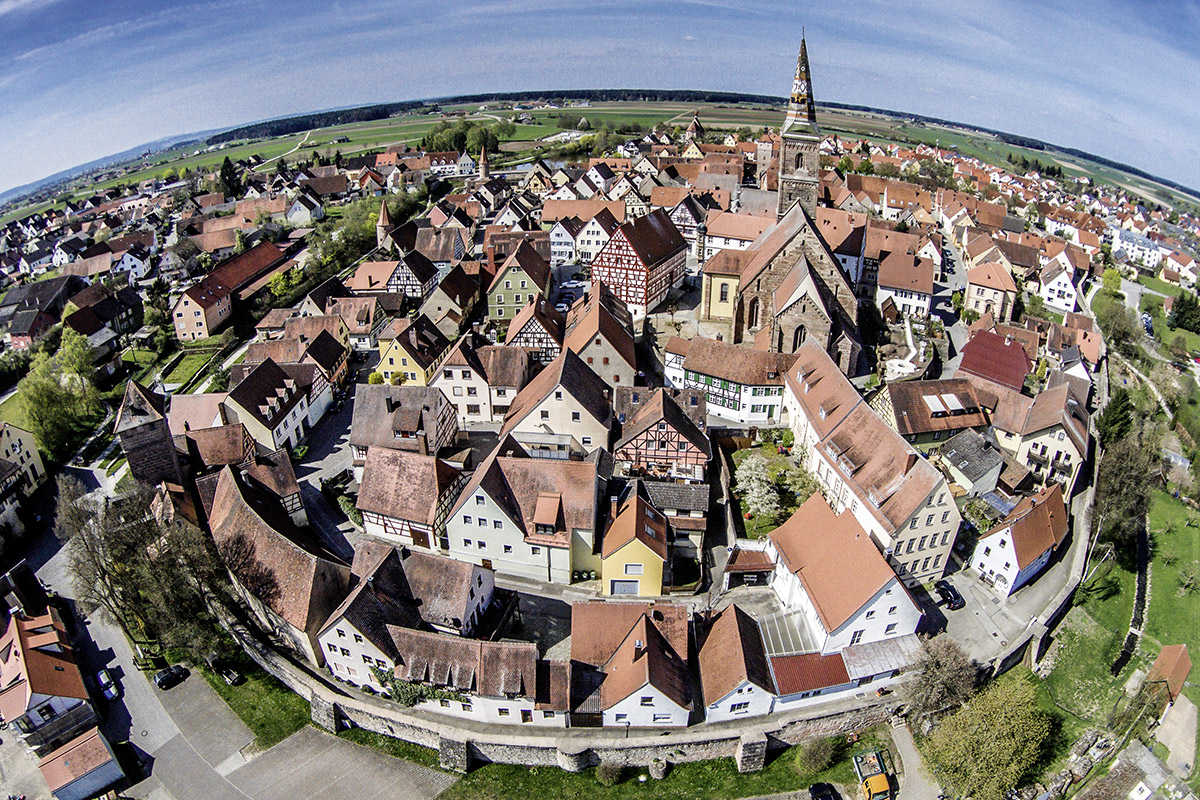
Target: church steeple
<point>802,109</point>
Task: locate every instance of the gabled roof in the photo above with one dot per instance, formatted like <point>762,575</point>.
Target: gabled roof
<point>381,411</point>
<point>538,312</point>
<point>645,657</point>
<point>653,237</point>
<point>569,373</point>
<point>36,658</point>
<point>991,356</point>
<point>528,260</point>
<point>636,519</point>
<point>267,393</point>
<point>1037,524</point>
<point>836,561</point>
<point>733,654</point>
<point>140,406</point>
<point>1172,665</point>
<point>488,669</point>
<point>661,406</point>
<point>928,406</point>
<point>736,364</point>
<point>404,485</point>
<point>600,313</point>
<point>419,338</point>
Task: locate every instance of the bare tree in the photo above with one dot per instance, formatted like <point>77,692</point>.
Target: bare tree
<point>944,676</point>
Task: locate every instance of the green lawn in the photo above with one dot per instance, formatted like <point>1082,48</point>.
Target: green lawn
<point>12,411</point>
<point>187,367</point>
<point>759,526</point>
<point>1174,615</point>
<point>1160,286</point>
<point>719,778</point>
<point>269,709</point>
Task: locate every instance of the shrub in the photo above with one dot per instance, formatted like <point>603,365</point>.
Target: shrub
<point>609,774</point>
<point>818,754</point>
<point>347,506</point>
<point>375,379</point>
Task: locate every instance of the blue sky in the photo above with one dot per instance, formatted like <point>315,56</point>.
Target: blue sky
<point>81,79</point>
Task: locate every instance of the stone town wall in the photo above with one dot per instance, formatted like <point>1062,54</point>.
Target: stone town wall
<point>460,742</point>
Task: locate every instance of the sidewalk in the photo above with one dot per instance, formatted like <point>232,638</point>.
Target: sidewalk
<point>917,783</point>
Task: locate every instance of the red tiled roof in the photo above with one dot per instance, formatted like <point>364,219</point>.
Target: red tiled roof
<point>808,672</point>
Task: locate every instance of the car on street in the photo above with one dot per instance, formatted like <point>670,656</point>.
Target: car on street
<point>108,686</point>
<point>562,308</point>
<point>171,676</point>
<point>950,596</point>
<point>822,791</point>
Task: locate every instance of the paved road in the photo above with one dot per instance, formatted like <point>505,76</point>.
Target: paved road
<point>917,783</point>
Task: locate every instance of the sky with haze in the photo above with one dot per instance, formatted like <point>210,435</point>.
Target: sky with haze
<point>82,79</point>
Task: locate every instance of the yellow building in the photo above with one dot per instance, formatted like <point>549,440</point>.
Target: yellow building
<point>719,287</point>
<point>634,552</point>
<point>412,348</point>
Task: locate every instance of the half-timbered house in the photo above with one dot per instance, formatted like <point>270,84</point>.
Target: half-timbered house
<point>642,261</point>
<point>539,329</point>
<point>405,498</point>
<point>662,441</point>
<point>412,275</point>
<point>740,384</point>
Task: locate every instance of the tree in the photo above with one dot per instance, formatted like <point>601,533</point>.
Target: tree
<point>845,165</point>
<point>1115,421</point>
<point>993,743</point>
<point>239,245</point>
<point>231,185</point>
<point>1111,280</point>
<point>943,676</point>
<point>956,300</point>
<point>154,579</point>
<point>49,406</point>
<point>866,167</point>
<point>1124,485</point>
<point>1119,325</point>
<point>375,378</point>
<point>1186,312</point>
<point>754,483</point>
<point>74,356</point>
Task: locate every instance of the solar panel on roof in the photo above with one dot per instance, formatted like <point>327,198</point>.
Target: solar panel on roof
<point>952,402</point>
<point>935,405</point>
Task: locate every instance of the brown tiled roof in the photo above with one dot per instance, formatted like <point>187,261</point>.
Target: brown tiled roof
<point>727,262</point>
<point>76,759</point>
<point>380,411</point>
<point>645,657</point>
<point>990,356</point>
<point>838,565</point>
<point>303,580</point>
<point>737,364</point>
<point>36,658</point>
<point>1037,524</point>
<point>629,400</point>
<point>1172,665</point>
<point>660,405</point>
<point>599,626</point>
<point>808,672</point>
<point>574,377</point>
<point>359,313</point>
<point>599,314</point>
<point>526,259</point>
<point>404,485</point>
<point>267,393</point>
<point>1059,405</point>
<point>636,519</point>
<point>235,273</point>
<point>906,272</point>
<point>736,226</point>
<point>542,314</point>
<point>217,447</point>
<point>554,210</point>
<point>275,318</point>
<point>732,654</point>
<point>498,365</point>
<point>191,412</point>
<point>281,351</point>
<point>488,669</point>
<point>308,328</point>
<point>418,337</point>
<point>928,406</point>
<point>140,406</point>
<point>653,237</point>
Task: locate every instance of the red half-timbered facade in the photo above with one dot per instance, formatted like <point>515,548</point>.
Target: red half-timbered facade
<point>642,261</point>
<point>663,441</point>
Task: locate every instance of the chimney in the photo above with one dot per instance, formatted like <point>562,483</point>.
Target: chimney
<point>613,503</point>
<point>491,257</point>
<point>910,462</point>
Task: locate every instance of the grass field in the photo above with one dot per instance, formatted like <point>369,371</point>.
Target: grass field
<point>187,367</point>
<point>12,411</point>
<point>759,526</point>
<point>785,772</point>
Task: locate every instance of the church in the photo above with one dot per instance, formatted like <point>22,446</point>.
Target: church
<point>790,287</point>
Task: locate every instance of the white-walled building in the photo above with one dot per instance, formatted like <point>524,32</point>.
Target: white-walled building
<point>1013,552</point>
<point>827,567</point>
<point>741,384</point>
<point>734,673</point>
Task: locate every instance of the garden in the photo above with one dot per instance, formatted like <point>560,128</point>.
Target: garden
<point>768,483</point>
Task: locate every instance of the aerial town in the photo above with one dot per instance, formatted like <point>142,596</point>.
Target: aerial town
<point>829,464</point>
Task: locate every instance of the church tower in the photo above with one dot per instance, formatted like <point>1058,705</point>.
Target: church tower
<point>142,430</point>
<point>800,153</point>
<point>383,225</point>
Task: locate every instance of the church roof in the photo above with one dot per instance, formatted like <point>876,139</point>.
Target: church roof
<point>802,110</point>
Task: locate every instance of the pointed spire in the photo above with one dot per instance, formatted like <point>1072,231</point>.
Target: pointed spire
<point>802,109</point>
<point>385,219</point>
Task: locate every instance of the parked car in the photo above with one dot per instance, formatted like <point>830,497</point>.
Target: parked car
<point>562,308</point>
<point>949,595</point>
<point>822,791</point>
<point>108,686</point>
<point>171,676</point>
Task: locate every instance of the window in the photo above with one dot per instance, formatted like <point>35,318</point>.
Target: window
<point>925,565</point>
<point>545,414</point>
<point>457,391</point>
<point>508,284</point>
<point>587,441</point>
<point>479,500</point>
<point>341,633</point>
<point>911,543</point>
<point>508,548</point>
<point>499,298</point>
<point>502,712</point>
<point>945,516</point>
<point>535,550</point>
<point>929,520</point>
<point>575,416</point>
<point>1003,542</point>
<point>738,708</point>
<point>473,409</point>
<point>481,544</point>
<point>367,661</point>
<point>622,717</point>
<point>870,615</point>
<point>661,718</point>
<point>987,551</point>
<point>482,522</point>
<point>856,637</point>
<point>921,544</point>
<point>633,569</point>
<point>558,395</point>
<point>890,629</point>
<point>466,520</point>
<point>358,639</point>
<point>466,706</point>
<point>332,647</point>
<point>892,610</point>
<point>466,542</point>
<point>497,524</point>
<point>345,652</point>
<point>447,374</point>
<point>912,524</point>
<point>647,701</point>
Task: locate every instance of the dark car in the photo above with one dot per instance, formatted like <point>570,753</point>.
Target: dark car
<point>171,676</point>
<point>822,791</point>
<point>953,600</point>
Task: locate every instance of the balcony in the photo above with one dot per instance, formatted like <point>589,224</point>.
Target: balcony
<point>1036,457</point>
<point>1062,465</point>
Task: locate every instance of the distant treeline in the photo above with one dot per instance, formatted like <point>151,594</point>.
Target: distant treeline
<point>305,122</point>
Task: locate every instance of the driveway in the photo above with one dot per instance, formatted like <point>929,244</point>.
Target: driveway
<point>1178,733</point>
<point>917,783</point>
